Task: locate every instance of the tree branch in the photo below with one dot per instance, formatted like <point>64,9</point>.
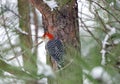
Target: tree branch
<point>16,71</point>
<point>46,12</point>
<point>42,7</point>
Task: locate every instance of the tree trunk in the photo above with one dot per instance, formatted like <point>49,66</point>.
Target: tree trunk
<point>29,59</point>
<point>63,24</point>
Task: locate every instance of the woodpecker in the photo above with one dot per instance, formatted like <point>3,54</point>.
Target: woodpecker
<point>54,48</point>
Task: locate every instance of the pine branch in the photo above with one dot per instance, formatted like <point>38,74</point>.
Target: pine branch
<point>16,71</point>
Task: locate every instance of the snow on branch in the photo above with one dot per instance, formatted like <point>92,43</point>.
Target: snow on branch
<point>51,3</point>
<point>105,42</point>
<point>21,31</point>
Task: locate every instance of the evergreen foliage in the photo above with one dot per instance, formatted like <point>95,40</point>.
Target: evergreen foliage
<point>105,15</point>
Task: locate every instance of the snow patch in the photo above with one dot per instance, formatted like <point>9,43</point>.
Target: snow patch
<point>100,74</point>
<point>51,3</point>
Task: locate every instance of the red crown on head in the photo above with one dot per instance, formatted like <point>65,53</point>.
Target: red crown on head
<point>47,34</point>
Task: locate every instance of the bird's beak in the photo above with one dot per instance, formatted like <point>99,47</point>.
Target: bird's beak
<point>40,41</point>
<point>42,37</point>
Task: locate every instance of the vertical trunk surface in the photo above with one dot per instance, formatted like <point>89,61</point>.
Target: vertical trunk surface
<point>63,23</point>
<point>29,59</point>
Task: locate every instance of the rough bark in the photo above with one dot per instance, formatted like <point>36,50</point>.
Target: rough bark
<point>63,23</point>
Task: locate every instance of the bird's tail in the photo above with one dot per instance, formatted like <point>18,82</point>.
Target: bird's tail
<point>60,65</point>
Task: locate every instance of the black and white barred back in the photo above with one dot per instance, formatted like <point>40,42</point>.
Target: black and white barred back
<point>56,50</point>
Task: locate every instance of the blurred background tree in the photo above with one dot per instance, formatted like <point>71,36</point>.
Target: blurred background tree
<point>100,40</point>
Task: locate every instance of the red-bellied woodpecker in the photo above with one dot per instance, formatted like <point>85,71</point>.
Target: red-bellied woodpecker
<point>55,48</point>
